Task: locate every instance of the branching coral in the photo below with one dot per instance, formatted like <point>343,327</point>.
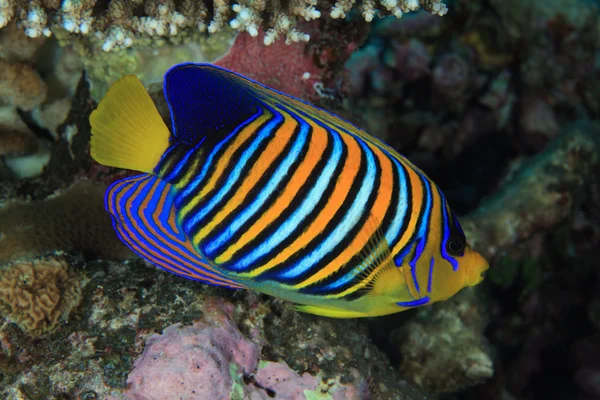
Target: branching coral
<point>119,23</point>
<point>37,294</point>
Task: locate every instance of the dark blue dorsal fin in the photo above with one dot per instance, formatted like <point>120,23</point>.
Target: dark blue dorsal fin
<point>206,100</point>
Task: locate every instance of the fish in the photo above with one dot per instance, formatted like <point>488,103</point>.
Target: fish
<point>251,188</point>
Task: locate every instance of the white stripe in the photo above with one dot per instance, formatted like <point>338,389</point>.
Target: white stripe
<point>345,226</point>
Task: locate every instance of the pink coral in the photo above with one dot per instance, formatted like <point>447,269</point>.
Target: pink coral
<point>209,359</point>
<point>280,378</point>
<point>287,68</point>
<point>288,384</point>
<point>297,69</point>
<point>193,362</point>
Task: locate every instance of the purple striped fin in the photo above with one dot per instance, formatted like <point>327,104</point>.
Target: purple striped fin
<point>144,218</point>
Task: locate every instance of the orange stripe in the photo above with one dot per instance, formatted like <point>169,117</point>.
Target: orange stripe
<point>134,223</point>
<point>226,158</point>
<point>150,254</point>
<point>344,182</point>
<point>378,211</point>
<point>268,156</point>
<point>190,263</point>
<point>163,261</point>
<point>318,144</point>
<point>326,118</point>
<point>412,170</point>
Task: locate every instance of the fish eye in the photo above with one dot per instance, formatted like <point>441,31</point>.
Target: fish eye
<point>455,247</point>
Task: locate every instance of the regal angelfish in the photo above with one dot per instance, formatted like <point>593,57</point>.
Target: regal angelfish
<point>256,189</point>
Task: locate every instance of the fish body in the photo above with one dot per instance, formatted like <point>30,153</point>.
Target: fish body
<point>256,189</point>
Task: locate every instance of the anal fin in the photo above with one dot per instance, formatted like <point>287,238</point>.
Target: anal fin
<point>328,312</point>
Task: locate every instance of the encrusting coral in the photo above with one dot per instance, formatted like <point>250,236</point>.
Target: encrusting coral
<point>118,23</point>
<point>38,294</point>
<point>540,194</point>
<point>14,142</point>
<point>73,220</point>
<point>213,359</point>
<point>443,349</point>
<point>20,85</point>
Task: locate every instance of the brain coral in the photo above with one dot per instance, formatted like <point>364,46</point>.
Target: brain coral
<point>37,294</point>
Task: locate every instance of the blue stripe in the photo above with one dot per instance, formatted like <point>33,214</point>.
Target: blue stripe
<point>345,226</point>
<point>428,204</point>
<point>193,185</point>
<point>414,303</point>
<point>129,187</point>
<point>263,196</point>
<point>399,258</point>
<point>143,223</point>
<point>423,231</point>
<point>168,244</point>
<point>165,246</point>
<point>164,156</point>
<point>165,213</point>
<point>163,218</point>
<point>184,160</point>
<point>295,220</point>
<point>446,229</point>
<point>393,233</point>
<point>264,133</point>
<point>413,262</point>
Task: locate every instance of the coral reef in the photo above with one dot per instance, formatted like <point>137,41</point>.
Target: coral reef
<point>201,360</point>
<point>309,72</point>
<point>119,24</point>
<point>16,143</point>
<point>147,60</point>
<point>20,86</point>
<point>540,194</point>
<point>212,359</point>
<point>443,348</point>
<point>38,294</point>
<point>129,312</point>
<point>37,81</point>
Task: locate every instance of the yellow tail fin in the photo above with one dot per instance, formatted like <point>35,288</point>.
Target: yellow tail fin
<point>127,130</point>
